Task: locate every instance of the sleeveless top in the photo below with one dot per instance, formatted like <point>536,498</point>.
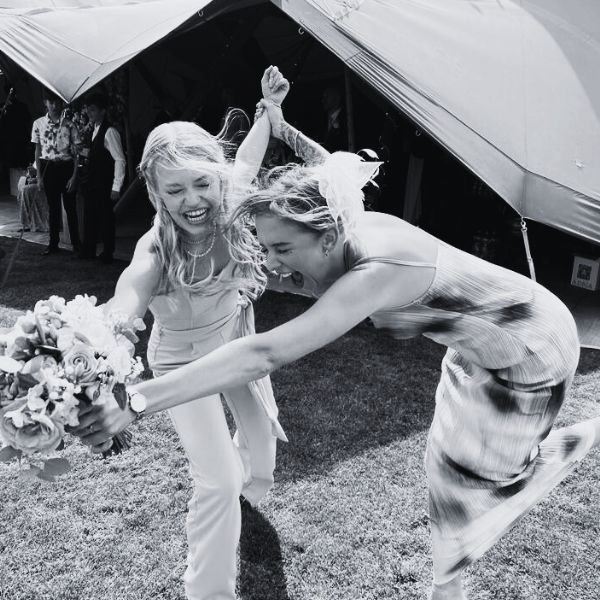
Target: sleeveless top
<point>181,310</point>
<point>494,317</point>
<point>188,326</point>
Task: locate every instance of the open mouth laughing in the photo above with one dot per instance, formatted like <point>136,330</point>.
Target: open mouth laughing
<point>196,216</point>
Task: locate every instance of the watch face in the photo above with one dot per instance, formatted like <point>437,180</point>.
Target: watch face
<point>137,403</point>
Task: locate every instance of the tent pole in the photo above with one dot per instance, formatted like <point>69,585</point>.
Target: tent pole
<point>527,249</point>
<point>349,110</point>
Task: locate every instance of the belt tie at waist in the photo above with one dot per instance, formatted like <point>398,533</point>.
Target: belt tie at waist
<point>243,315</point>
<point>261,392</point>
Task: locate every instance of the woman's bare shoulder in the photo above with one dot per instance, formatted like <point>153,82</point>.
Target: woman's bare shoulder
<point>146,244</point>
<point>382,235</point>
<point>145,257</point>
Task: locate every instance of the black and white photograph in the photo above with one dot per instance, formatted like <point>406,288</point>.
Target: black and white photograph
<point>299,300</point>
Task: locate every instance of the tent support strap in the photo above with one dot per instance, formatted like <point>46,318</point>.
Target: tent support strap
<point>527,249</point>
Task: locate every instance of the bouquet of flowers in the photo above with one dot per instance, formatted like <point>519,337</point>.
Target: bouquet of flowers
<point>57,358</point>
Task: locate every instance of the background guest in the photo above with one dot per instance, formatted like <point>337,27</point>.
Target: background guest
<point>105,176</point>
<point>33,206</point>
<point>57,143</point>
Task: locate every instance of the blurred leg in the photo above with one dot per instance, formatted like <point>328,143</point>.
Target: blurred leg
<point>452,590</point>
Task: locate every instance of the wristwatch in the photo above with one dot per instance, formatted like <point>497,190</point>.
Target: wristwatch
<point>137,403</point>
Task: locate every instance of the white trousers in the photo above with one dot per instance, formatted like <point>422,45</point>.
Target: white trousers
<point>214,517</point>
<point>221,467</point>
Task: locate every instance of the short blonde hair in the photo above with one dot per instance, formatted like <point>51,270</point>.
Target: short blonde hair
<point>290,192</point>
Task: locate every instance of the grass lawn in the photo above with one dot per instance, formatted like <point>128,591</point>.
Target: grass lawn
<point>347,518</point>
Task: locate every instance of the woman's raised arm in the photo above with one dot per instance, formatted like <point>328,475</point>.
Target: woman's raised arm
<point>303,147</point>
<point>252,150</point>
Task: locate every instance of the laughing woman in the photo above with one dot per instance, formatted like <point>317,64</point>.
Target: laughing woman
<point>492,452</point>
<point>197,278</point>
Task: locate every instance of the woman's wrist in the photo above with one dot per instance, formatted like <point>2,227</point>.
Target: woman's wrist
<point>272,102</point>
<point>277,121</point>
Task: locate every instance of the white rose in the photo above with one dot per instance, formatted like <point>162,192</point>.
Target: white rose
<point>81,364</point>
<point>119,362</point>
<point>97,334</point>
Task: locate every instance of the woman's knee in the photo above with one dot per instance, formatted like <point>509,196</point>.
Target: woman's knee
<point>223,488</point>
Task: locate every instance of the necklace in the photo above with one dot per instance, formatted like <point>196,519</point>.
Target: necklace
<point>213,237</point>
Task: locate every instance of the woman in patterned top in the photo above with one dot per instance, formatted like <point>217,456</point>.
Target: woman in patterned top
<point>492,452</point>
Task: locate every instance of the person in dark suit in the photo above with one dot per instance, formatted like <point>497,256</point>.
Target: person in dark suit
<point>105,175</point>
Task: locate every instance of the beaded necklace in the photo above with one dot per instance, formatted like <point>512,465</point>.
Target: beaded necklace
<point>210,246</point>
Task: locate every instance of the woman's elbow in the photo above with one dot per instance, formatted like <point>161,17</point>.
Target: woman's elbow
<point>265,365</point>
<point>268,358</point>
<point>271,363</point>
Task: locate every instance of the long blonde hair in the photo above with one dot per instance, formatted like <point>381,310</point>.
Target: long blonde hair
<point>186,145</point>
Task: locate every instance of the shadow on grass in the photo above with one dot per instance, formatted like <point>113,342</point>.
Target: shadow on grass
<point>363,391</point>
<point>589,362</point>
<point>262,575</point>
<point>33,276</point>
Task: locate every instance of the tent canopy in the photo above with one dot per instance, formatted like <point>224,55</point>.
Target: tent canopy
<point>70,46</point>
<point>510,88</point>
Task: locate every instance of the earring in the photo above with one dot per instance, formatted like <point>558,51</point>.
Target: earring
<point>326,251</point>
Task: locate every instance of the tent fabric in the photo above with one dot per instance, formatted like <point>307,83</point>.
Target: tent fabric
<point>510,88</point>
<point>70,46</point>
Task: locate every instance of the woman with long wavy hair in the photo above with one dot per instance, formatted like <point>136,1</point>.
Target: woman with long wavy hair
<point>198,278</point>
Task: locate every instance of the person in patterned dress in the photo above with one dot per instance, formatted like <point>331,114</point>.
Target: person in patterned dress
<point>513,349</point>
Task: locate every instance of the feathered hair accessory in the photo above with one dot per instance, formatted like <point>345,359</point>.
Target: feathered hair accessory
<point>341,179</point>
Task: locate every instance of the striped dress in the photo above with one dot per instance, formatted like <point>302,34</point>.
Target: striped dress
<point>512,354</point>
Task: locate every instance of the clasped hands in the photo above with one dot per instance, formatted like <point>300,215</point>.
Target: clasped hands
<point>274,87</point>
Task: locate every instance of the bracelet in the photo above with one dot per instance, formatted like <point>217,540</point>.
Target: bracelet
<point>296,142</point>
